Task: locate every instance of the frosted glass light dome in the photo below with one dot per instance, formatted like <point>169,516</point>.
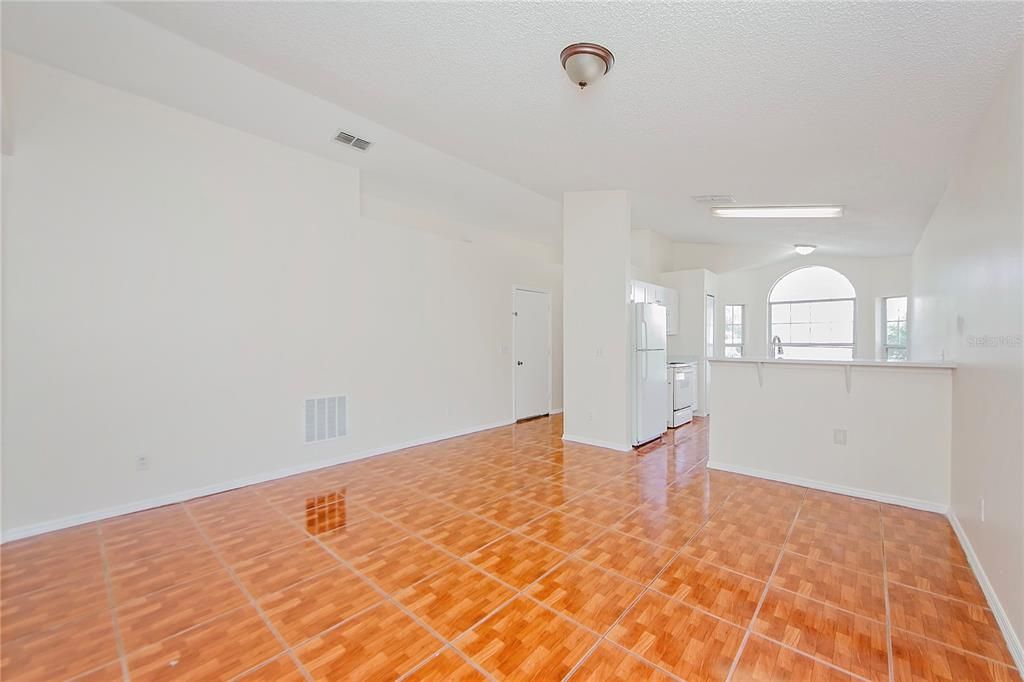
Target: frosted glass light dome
<point>585,63</point>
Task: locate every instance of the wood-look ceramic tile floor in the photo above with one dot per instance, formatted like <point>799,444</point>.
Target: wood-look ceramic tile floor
<point>504,554</point>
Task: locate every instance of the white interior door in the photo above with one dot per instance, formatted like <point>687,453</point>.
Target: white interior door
<point>533,352</point>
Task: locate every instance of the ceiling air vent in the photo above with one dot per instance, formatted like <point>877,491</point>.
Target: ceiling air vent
<point>350,140</point>
<point>716,199</point>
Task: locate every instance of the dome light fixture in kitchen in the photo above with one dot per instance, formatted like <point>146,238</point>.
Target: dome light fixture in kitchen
<point>585,63</point>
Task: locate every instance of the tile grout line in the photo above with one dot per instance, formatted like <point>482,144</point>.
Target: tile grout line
<point>387,597</point>
<point>252,600</point>
<point>632,604</point>
<point>827,604</point>
<point>411,533</point>
<point>112,605</point>
<point>947,597</point>
<point>524,593</point>
<point>573,555</point>
<point>179,632</point>
<point>568,555</point>
<point>764,594</point>
<point>888,611</point>
<point>517,592</point>
<point>805,654</point>
<point>647,587</point>
<point>429,659</point>
<point>639,596</point>
<point>958,649</point>
<point>341,622</point>
<point>884,573</point>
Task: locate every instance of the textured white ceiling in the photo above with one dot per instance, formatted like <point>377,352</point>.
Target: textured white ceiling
<point>864,104</point>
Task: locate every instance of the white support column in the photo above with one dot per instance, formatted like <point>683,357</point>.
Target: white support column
<point>596,268</point>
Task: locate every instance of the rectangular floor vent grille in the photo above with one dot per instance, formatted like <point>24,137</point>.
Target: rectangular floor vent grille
<point>326,418</point>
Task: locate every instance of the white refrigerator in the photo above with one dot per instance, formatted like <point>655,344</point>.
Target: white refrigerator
<point>650,372</point>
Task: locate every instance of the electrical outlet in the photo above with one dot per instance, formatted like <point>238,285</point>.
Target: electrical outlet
<point>839,436</point>
<point>981,506</point>
<point>142,463</point>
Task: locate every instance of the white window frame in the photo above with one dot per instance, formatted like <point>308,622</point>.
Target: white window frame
<point>852,346</point>
<point>885,329</point>
<point>742,327</point>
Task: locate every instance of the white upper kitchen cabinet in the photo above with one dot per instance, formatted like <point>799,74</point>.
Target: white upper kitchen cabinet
<point>671,311</point>
<point>645,292</point>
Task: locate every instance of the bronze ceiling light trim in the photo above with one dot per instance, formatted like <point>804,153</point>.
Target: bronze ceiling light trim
<point>585,63</point>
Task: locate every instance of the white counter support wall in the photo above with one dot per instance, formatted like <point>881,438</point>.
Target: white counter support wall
<point>781,419</point>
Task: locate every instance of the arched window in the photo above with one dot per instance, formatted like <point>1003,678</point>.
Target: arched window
<point>811,312</point>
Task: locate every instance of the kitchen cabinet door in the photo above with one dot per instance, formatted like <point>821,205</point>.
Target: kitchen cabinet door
<point>671,311</point>
<point>637,292</point>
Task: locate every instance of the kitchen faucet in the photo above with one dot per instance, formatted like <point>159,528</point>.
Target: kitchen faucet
<point>776,347</point>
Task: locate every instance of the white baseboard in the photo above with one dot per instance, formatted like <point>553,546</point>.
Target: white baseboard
<point>913,503</point>
<point>558,411</point>
<point>1013,642</point>
<point>183,495</point>
<point>596,443</point>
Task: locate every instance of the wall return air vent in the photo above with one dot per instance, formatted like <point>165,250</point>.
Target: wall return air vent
<point>326,418</point>
<point>350,140</point>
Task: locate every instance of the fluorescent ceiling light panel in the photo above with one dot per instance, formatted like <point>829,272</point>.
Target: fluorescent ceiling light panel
<point>777,211</point>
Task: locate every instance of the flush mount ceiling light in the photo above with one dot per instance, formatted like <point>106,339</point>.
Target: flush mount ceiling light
<point>804,249</point>
<point>585,63</point>
<point>777,211</point>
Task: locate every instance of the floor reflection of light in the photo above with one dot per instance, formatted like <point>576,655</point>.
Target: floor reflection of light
<point>325,512</point>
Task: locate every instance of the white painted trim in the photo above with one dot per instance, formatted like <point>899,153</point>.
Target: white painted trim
<point>557,411</point>
<point>912,502</point>
<point>184,495</point>
<point>597,443</point>
<point>1013,642</point>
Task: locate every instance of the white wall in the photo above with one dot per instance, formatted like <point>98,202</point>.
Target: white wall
<point>689,285</point>
<point>968,266</point>
<point>596,267</point>
<point>723,257</point>
<point>688,344</point>
<point>872,278</point>
<point>175,289</point>
<point>651,254</point>
<point>896,421</point>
